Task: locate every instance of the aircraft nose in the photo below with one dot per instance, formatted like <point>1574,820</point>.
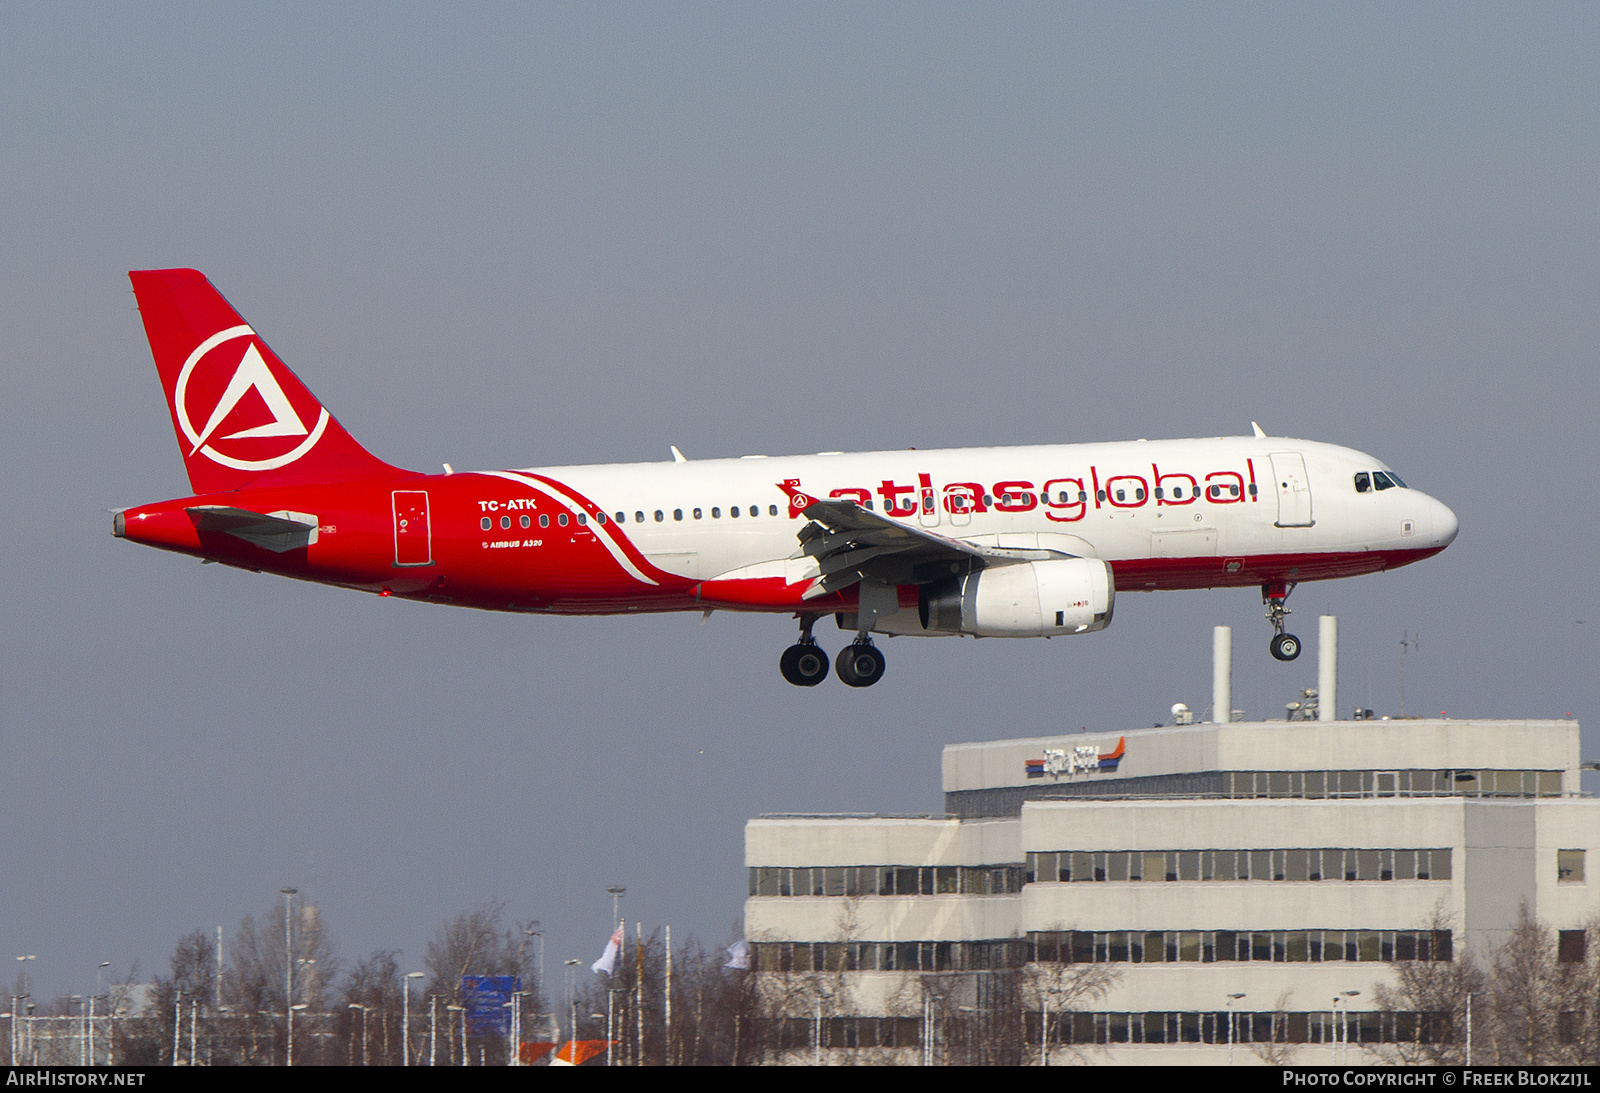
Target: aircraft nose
<point>1445,524</point>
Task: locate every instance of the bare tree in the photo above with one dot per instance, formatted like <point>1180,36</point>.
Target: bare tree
<point>1057,990</point>
<point>1535,1004</point>
<point>475,942</point>
<point>1276,1050</point>
<point>370,1004</point>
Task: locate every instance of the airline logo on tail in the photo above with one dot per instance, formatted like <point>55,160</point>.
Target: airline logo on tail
<point>259,432</point>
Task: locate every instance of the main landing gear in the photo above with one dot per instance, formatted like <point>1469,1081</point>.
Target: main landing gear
<point>805,664</point>
<point>859,664</point>
<point>1283,646</point>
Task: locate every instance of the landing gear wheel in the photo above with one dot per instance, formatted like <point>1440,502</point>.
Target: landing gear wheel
<point>859,665</point>
<point>804,665</point>
<point>1285,647</point>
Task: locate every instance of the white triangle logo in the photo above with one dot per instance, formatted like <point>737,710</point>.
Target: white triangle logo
<point>253,372</point>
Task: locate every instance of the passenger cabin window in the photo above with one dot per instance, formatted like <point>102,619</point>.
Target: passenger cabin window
<point>562,519</point>
<point>755,510</point>
<point>1363,482</point>
<point>524,521</point>
<point>583,519</point>
<point>697,514</point>
<point>505,522</point>
<point>599,517</point>
<point>544,520</point>
<point>660,516</point>
<point>734,511</point>
<point>677,514</point>
<point>716,513</point>
<point>772,510</point>
<point>622,518</point>
<point>486,523</point>
<point>638,517</point>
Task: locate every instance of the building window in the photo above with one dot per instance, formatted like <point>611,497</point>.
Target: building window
<point>1569,866</point>
<point>1572,946</point>
<point>1297,864</point>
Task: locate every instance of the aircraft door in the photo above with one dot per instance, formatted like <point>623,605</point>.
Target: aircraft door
<point>413,537</point>
<point>927,503</point>
<point>1294,490</point>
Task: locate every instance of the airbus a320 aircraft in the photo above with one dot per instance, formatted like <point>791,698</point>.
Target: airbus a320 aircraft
<point>986,542</point>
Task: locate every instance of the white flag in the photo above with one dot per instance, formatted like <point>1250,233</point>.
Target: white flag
<point>739,955</point>
<point>608,959</point>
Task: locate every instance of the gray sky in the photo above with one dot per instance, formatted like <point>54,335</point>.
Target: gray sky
<point>514,236</point>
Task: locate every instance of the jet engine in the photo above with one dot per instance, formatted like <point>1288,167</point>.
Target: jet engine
<point>1024,600</point>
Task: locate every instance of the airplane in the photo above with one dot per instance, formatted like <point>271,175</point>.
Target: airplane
<point>1010,542</point>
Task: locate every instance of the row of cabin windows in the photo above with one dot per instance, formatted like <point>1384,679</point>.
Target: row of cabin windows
<point>526,522</point>
<point>1377,480</point>
<point>887,880</point>
<point>1326,864</point>
<point>1216,493</point>
<point>1221,946</point>
<point>734,512</point>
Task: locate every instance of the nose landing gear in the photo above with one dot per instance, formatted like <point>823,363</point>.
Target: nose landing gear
<point>1273,594</point>
<point>805,664</point>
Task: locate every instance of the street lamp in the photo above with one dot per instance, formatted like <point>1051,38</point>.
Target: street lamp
<point>289,1056</point>
<point>288,947</point>
<point>572,997</point>
<point>1232,998</point>
<point>1341,1038</point>
<point>405,1019</point>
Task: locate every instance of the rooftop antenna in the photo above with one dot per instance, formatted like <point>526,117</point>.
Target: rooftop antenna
<point>1407,644</point>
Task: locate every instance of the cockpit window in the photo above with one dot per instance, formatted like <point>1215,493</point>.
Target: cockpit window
<point>1382,481</point>
<point>1363,482</point>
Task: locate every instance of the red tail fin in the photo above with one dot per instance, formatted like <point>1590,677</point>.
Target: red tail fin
<point>241,416</point>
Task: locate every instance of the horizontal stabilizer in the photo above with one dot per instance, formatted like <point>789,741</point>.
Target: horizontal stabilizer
<point>278,532</point>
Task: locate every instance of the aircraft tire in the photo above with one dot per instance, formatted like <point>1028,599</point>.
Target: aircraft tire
<point>859,665</point>
<point>1285,647</point>
<point>804,665</point>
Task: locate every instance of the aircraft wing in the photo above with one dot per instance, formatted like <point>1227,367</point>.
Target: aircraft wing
<point>850,542</point>
<point>278,532</point>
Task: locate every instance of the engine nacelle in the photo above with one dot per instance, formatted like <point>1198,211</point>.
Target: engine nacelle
<point>1025,600</point>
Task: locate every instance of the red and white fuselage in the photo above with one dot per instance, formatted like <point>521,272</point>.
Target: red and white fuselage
<point>281,487</point>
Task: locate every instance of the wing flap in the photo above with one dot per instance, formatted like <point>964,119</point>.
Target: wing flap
<point>850,542</point>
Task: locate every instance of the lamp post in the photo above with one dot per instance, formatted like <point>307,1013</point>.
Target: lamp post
<point>288,947</point>
<point>363,1009</point>
<point>289,1055</point>
<point>572,998</point>
<point>1232,998</point>
<point>1341,1050</point>
<point>405,1018</point>
<point>463,1011</point>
